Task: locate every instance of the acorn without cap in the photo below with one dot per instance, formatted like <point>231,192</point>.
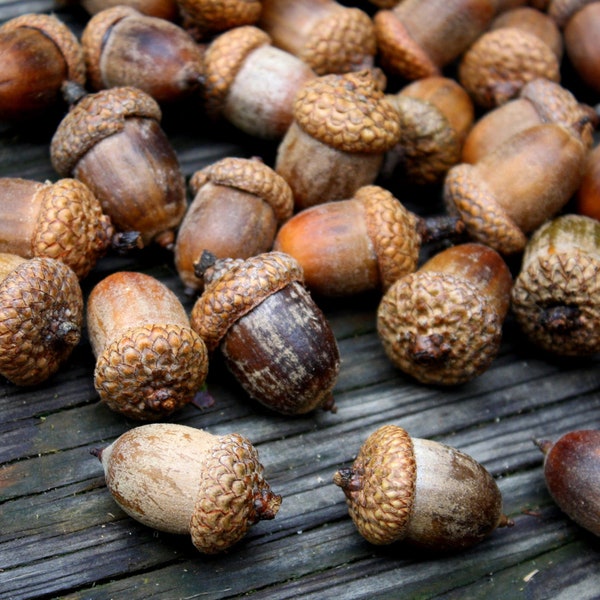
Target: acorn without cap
<point>41,316</point>
<point>149,362</point>
<point>421,492</point>
<point>180,480</point>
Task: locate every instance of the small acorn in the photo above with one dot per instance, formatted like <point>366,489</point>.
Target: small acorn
<point>556,295</point>
<point>41,316</point>
<point>443,323</point>
<point>237,206</point>
<point>113,142</point>
<point>149,362</point>
<point>419,492</point>
<point>39,54</point>
<point>183,480</point>
<point>124,47</point>
<point>61,220</point>
<point>572,475</point>
<point>273,337</point>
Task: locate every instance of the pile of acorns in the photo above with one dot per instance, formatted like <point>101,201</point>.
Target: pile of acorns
<point>508,145</point>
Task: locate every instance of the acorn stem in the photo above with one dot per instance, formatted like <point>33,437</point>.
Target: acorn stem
<point>97,452</point>
<point>505,521</point>
<point>126,241</point>
<point>207,260</point>
<point>430,349</point>
<point>348,479</point>
<point>73,92</point>
<point>544,445</point>
<point>560,318</point>
<point>67,333</point>
<point>266,504</point>
<point>438,228</point>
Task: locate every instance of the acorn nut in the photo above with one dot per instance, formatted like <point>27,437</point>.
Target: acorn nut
<point>124,47</point>
<point>420,492</point>
<point>183,480</point>
<point>237,206</point>
<point>572,475</point>
<point>149,362</point>
<point>39,54</point>
<point>41,316</point>
<point>273,337</point>
<point>113,142</point>
<point>443,323</point>
<point>556,295</point>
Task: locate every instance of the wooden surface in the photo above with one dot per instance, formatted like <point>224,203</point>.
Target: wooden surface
<point>62,535</point>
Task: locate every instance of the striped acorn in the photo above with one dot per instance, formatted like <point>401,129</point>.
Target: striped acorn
<point>149,362</point>
<point>180,480</point>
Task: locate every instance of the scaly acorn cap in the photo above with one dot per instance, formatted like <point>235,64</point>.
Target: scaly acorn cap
<point>348,112</point>
<point>380,486</point>
<point>556,296</point>
<point>95,117</point>
<point>438,327</point>
<point>224,58</point>
<point>233,287</point>
<point>61,35</point>
<point>41,315</point>
<point>232,495</point>
<point>393,233</point>
<point>207,16</point>
<point>252,176</point>
<point>71,226</point>
<point>341,42</point>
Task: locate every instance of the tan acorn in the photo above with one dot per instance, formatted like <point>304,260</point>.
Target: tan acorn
<point>273,337</point>
<point>443,323</point>
<point>556,295</point>
<point>149,362</point>
<point>183,480</point>
<point>419,492</point>
<point>41,316</point>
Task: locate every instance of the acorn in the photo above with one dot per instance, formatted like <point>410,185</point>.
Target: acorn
<point>149,362</point>
<point>572,475</point>
<point>183,480</point>
<point>39,54</point>
<point>113,142</point>
<point>360,244</point>
<point>556,295</point>
<point>41,317</point>
<point>419,492</point>
<point>273,337</point>
<point>237,207</point>
<point>61,220</point>
<point>124,47</point>
<point>443,324</point>
<point>342,127</point>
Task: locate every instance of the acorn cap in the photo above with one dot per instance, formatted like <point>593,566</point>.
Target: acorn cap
<point>468,196</point>
<point>393,233</point>
<point>224,58</point>
<point>61,35</point>
<point>131,378</point>
<point>380,486</point>
<point>95,117</point>
<point>341,42</point>
<point>562,10</point>
<point>233,287</point>
<point>438,328</point>
<point>348,112</point>
<point>232,495</point>
<point>501,61</point>
<point>41,315</point>
<point>252,176</point>
<point>72,227</point>
<point>93,39</point>
<point>218,15</point>
<point>556,296</point>
<point>399,53</point>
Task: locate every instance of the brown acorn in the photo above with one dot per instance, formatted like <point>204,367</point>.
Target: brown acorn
<point>443,323</point>
<point>149,362</point>
<point>419,492</point>
<point>556,295</point>
<point>39,54</point>
<point>61,220</point>
<point>124,47</point>
<point>182,480</point>
<point>271,334</point>
<point>41,316</point>
<point>113,142</point>
<point>572,475</point>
